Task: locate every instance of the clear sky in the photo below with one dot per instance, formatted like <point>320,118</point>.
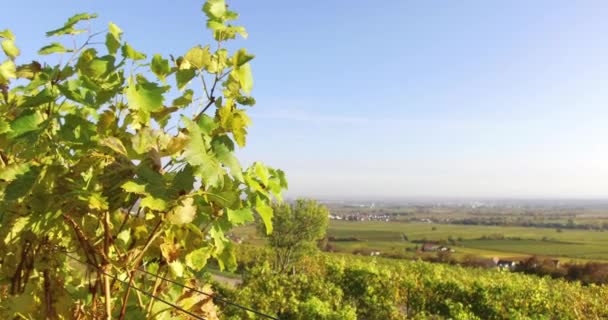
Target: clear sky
<point>401,98</point>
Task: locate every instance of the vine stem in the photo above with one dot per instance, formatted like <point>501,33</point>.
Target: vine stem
<point>107,293</point>
<point>107,266</point>
<point>137,261</point>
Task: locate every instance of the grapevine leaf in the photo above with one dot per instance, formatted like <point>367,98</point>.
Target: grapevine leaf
<point>129,53</point>
<point>25,123</point>
<point>241,216</point>
<point>207,124</point>
<point>54,47</point>
<point>114,30</point>
<point>114,144</point>
<point>133,187</point>
<point>10,172</point>
<point>226,259</point>
<point>185,99</point>
<point>196,154</point>
<point>21,185</point>
<point>146,97</point>
<point>80,17</point>
<point>241,57</point>
<point>214,8</point>
<point>261,172</point>
<point>97,202</point>
<point>7,34</point>
<point>177,268</point>
<point>184,213</point>
<point>160,66</point>
<point>197,259</point>
<point>245,77</point>
<point>7,71</point>
<point>198,57</point>
<point>10,49</point>
<point>153,203</point>
<point>112,44</point>
<point>226,157</point>
<point>265,212</point>
<point>124,236</point>
<point>113,38</point>
<point>183,77</point>
<point>4,126</point>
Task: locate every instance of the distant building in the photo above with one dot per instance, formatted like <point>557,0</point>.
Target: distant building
<point>428,247</point>
<point>504,263</point>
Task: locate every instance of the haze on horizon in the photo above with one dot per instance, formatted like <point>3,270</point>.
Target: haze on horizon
<point>404,98</point>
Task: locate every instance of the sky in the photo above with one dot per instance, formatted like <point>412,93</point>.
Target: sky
<point>400,99</point>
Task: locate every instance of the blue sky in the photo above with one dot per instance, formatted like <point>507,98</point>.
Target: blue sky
<point>401,98</point>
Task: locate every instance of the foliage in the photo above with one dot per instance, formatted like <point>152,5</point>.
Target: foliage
<point>98,162</point>
<point>297,227</point>
<point>377,288</point>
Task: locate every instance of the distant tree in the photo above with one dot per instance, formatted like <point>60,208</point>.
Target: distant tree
<point>296,230</point>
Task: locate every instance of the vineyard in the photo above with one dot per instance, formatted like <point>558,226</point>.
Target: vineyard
<point>334,286</point>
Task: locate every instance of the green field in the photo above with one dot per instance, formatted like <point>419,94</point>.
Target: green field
<point>387,237</point>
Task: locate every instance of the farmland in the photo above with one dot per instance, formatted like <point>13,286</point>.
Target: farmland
<point>388,238</point>
<point>518,241</point>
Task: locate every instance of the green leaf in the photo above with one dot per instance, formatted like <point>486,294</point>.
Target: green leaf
<point>10,172</point>
<point>97,202</point>
<point>153,203</point>
<point>7,34</point>
<point>203,161</point>
<point>97,67</point>
<point>177,268</point>
<point>146,97</point>
<point>283,180</point>
<point>10,49</point>
<point>261,172</point>
<point>80,17</point>
<point>197,259</point>
<point>184,213</point>
<point>129,53</point>
<point>160,66</point>
<point>114,30</point>
<point>112,44</point>
<point>241,57</point>
<point>143,141</point>
<point>245,77</point>
<point>184,100</point>
<point>198,57</point>
<point>114,144</point>
<point>239,123</point>
<point>214,8</point>
<point>226,259</point>
<point>4,126</point>
<point>7,71</point>
<point>28,71</point>
<point>133,187</point>
<point>226,157</point>
<point>241,216</point>
<point>113,38</point>
<point>22,185</point>
<point>265,212</point>
<point>183,77</point>
<point>25,123</point>
<point>124,236</point>
<point>246,101</point>
<point>54,47</point>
